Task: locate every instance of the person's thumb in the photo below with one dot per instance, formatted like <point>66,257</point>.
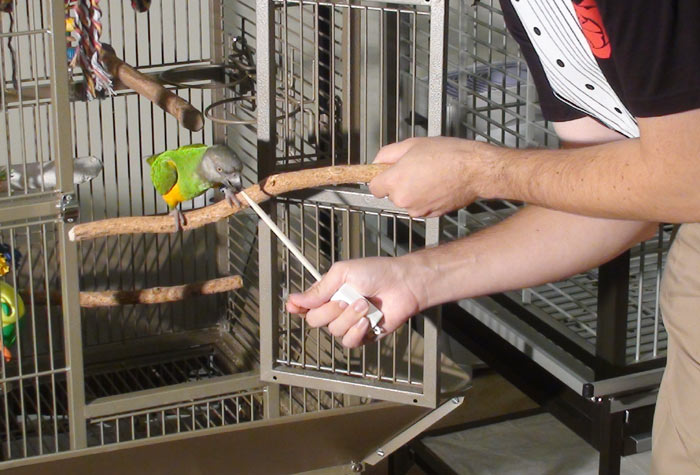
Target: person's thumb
<point>319,293</point>
<point>393,152</point>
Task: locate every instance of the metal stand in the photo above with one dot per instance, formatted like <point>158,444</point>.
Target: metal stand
<point>613,303</point>
<point>610,433</point>
<point>608,422</point>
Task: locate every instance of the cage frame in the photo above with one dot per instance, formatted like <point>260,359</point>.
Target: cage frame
<point>269,279</point>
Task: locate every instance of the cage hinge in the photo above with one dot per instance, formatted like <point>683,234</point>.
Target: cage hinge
<point>69,208</point>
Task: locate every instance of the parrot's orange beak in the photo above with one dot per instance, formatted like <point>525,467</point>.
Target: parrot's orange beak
<point>7,354</point>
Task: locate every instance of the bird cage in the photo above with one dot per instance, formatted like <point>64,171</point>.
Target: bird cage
<point>289,86</point>
<point>86,373</point>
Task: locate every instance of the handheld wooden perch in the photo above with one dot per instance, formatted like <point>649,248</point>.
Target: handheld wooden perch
<point>272,186</point>
<point>185,113</point>
<point>113,298</point>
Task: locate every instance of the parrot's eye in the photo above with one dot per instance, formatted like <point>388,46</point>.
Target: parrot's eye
<point>219,169</point>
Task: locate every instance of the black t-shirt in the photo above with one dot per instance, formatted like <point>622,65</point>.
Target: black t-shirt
<point>647,50</point>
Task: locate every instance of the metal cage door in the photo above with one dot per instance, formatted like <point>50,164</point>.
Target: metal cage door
<point>335,81</point>
<point>41,382</point>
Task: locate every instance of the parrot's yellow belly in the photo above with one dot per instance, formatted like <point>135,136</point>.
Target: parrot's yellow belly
<point>174,196</point>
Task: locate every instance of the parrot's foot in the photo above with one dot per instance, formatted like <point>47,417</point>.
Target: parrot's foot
<point>179,219</point>
<point>230,195</point>
<point>7,354</point>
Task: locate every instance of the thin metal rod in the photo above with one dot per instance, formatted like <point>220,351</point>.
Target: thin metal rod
<point>640,302</point>
<point>659,269</point>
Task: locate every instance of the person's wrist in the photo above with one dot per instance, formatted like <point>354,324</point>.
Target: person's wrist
<point>491,181</point>
<point>419,274</point>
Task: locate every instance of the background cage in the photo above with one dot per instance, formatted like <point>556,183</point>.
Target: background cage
<point>307,83</point>
<point>493,99</point>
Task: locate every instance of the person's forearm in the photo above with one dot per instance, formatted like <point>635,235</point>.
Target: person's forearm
<point>656,179</point>
<point>533,247</point>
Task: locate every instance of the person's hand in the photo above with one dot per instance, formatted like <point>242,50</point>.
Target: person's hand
<point>389,282</point>
<point>432,176</point>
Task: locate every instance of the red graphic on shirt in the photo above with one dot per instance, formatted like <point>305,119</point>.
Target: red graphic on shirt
<point>593,29</point>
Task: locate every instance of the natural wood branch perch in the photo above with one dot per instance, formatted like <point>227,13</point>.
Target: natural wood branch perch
<point>185,113</point>
<point>113,298</point>
<point>272,186</point>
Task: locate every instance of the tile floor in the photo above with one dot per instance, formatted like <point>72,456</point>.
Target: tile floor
<point>537,444</point>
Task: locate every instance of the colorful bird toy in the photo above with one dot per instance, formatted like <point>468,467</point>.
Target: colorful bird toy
<point>8,257</point>
<point>83,31</point>
<point>11,304</point>
<point>12,309</point>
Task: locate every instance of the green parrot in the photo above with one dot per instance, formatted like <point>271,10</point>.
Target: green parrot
<point>187,172</point>
<point>12,315</point>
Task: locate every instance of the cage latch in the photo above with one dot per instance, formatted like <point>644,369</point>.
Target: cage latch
<point>69,208</point>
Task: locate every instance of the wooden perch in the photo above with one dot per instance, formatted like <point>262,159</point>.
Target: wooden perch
<point>272,186</point>
<point>185,113</point>
<point>113,298</point>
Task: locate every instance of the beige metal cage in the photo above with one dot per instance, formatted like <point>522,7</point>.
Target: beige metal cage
<point>288,85</point>
<point>95,377</point>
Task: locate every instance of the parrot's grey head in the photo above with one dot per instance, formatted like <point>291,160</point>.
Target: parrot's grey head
<point>221,166</point>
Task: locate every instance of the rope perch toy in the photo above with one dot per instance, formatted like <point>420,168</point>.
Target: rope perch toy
<point>84,28</point>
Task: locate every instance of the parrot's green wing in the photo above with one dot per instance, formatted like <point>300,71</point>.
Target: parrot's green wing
<point>175,175</point>
<point>188,160</point>
<point>163,173</point>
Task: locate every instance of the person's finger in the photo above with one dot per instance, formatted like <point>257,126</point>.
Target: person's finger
<point>292,308</point>
<point>348,318</point>
<point>393,152</point>
<point>321,291</point>
<point>325,314</point>
<point>380,185</point>
<point>355,336</point>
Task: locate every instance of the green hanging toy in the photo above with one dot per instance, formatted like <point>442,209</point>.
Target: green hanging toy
<point>12,316</point>
<point>11,304</point>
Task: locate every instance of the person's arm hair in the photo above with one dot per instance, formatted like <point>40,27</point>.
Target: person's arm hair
<point>653,178</point>
<point>533,247</point>
<point>536,245</point>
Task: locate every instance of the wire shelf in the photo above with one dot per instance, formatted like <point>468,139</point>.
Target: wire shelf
<point>187,416</point>
<point>154,375</point>
<point>198,364</point>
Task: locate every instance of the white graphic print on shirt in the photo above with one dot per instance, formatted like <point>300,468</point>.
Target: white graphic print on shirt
<point>569,64</point>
